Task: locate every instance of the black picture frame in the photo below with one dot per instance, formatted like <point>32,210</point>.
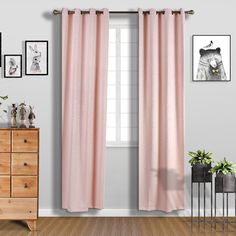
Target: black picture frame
<point>45,56</point>
<point>230,60</point>
<point>5,65</point>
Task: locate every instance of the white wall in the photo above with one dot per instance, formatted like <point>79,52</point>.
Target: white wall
<point>210,108</point>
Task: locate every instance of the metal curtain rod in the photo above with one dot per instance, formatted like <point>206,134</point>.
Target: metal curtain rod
<point>58,12</point>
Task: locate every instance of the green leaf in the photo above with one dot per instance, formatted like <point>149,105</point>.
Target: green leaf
<point>4,97</point>
<point>200,157</point>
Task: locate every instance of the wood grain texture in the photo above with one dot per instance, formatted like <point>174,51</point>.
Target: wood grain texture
<point>25,141</point>
<point>24,164</point>
<point>24,186</point>
<point>32,224</point>
<point>4,163</point>
<point>18,208</point>
<point>4,186</point>
<point>19,149</point>
<point>115,226</point>
<point>5,141</point>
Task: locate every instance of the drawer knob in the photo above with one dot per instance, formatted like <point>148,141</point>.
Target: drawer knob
<point>25,140</point>
<point>25,164</point>
<point>26,186</point>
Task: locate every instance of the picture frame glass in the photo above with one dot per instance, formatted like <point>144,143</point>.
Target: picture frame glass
<point>36,57</point>
<point>13,66</point>
<point>211,57</point>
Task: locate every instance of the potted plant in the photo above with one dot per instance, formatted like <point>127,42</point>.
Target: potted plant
<point>225,176</point>
<point>3,111</point>
<point>201,164</point>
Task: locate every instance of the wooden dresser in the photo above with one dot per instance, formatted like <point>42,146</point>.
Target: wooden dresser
<point>19,160</point>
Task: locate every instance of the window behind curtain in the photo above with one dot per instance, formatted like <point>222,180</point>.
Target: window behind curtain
<point>122,104</point>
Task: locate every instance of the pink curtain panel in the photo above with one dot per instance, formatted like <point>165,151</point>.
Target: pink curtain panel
<point>84,97</point>
<point>161,120</point>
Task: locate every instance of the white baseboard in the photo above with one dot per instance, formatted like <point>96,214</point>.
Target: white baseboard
<point>124,213</point>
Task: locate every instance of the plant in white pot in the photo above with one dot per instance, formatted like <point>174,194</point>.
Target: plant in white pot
<point>201,164</point>
<point>225,176</point>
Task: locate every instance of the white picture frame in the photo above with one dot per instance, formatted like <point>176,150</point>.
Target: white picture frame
<point>211,58</point>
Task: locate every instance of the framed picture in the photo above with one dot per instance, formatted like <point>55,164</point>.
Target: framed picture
<point>36,57</point>
<point>0,49</point>
<point>211,57</point>
<point>12,66</point>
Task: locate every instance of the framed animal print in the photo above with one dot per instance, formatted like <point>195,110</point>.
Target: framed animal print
<point>0,49</point>
<point>211,57</point>
<point>12,66</point>
<point>36,57</point>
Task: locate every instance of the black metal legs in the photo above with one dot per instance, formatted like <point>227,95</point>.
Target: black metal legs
<point>192,201</point>
<point>198,206</point>
<point>199,195</point>
<point>225,209</point>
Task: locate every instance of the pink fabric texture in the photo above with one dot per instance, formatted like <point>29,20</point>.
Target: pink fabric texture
<point>84,98</point>
<point>161,121</point>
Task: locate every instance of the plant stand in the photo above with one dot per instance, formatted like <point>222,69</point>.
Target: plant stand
<point>203,177</point>
<point>223,190</point>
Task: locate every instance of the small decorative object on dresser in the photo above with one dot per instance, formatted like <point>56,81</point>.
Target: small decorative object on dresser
<point>31,117</point>
<point>36,57</point>
<point>13,115</point>
<point>19,154</point>
<point>13,66</point>
<point>22,115</point>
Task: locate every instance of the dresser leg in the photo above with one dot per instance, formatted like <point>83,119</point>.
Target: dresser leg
<point>31,224</point>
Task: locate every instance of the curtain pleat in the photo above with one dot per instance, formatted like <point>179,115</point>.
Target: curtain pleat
<point>84,99</point>
<point>161,120</point>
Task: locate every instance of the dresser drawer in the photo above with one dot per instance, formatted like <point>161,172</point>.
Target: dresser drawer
<point>24,186</point>
<point>4,163</point>
<point>24,164</point>
<point>4,186</point>
<point>5,141</point>
<point>25,141</point>
<point>18,208</point>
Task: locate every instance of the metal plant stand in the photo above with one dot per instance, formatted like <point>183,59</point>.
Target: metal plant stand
<point>224,191</point>
<point>202,177</point>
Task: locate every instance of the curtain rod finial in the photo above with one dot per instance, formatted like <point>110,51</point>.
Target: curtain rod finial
<point>56,12</point>
<point>191,12</point>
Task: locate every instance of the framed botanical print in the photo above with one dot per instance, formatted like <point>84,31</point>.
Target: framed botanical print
<point>36,57</point>
<point>211,57</point>
<point>12,66</point>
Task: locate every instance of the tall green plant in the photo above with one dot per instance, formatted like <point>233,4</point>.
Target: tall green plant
<point>225,167</point>
<point>200,157</point>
